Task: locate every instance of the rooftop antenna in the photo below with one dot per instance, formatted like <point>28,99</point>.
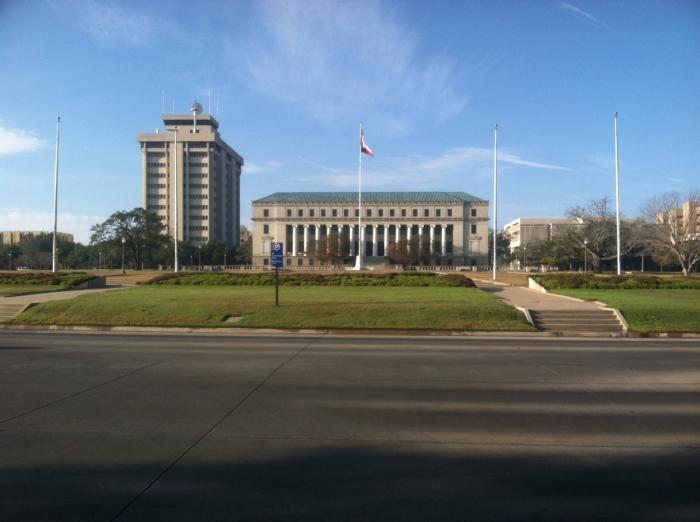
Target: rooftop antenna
<point>196,109</point>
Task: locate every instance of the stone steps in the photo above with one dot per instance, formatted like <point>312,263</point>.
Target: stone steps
<point>603,321</point>
<point>9,311</point>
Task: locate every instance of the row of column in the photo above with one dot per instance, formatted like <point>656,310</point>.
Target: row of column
<point>443,238</point>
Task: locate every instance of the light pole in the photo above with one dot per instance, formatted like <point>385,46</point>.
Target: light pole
<point>585,255</point>
<point>10,263</point>
<point>123,244</point>
<point>99,256</point>
<point>200,257</point>
<point>54,261</point>
<point>525,258</point>
<point>224,260</point>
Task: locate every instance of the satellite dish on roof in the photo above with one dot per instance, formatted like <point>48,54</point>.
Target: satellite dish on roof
<point>196,108</point>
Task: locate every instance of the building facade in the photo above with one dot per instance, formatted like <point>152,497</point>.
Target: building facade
<point>522,231</point>
<point>15,236</point>
<point>455,223</point>
<point>686,219</point>
<point>208,174</point>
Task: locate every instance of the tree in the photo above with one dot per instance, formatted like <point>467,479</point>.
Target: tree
<point>502,247</point>
<point>243,253</point>
<point>424,250</point>
<point>333,247</point>
<point>671,227</point>
<point>344,251</point>
<point>143,235</point>
<point>597,233</point>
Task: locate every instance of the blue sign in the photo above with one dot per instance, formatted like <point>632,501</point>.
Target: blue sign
<point>277,255</point>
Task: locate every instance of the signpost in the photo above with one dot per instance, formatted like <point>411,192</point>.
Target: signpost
<point>277,263</point>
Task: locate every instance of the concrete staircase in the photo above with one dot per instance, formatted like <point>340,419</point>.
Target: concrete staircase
<point>9,311</point>
<point>595,322</point>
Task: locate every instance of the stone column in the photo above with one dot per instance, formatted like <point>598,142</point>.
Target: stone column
<point>408,238</point>
<point>386,240</point>
<point>374,240</point>
<point>443,241</point>
<point>340,239</point>
<point>398,234</point>
<point>361,242</point>
<point>352,240</point>
<point>432,239</point>
<point>318,233</point>
<point>294,240</point>
<point>306,238</point>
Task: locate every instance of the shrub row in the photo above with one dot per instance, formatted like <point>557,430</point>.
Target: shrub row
<point>591,281</point>
<point>301,279</point>
<point>64,279</point>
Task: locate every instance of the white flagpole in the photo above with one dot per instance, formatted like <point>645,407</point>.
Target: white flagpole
<point>177,203</point>
<point>360,245</point>
<point>495,196</point>
<point>55,194</point>
<point>617,199</point>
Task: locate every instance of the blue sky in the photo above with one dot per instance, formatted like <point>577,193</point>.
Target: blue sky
<point>293,79</point>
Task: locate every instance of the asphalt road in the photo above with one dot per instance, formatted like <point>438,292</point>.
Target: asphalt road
<point>165,427</point>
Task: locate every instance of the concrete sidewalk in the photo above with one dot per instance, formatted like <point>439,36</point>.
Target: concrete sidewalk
<point>54,296</point>
<point>534,300</point>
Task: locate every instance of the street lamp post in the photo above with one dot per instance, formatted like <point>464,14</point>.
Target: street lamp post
<point>224,260</point>
<point>525,258</point>
<point>123,244</point>
<point>200,257</point>
<point>585,255</point>
<point>9,265</point>
<point>99,256</point>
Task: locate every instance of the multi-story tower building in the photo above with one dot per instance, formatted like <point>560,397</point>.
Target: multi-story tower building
<point>208,174</point>
<point>455,224</point>
<point>523,231</point>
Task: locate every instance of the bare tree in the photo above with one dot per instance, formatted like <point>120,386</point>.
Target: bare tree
<point>597,233</point>
<point>672,227</point>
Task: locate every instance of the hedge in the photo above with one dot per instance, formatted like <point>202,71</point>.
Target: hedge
<point>303,279</point>
<point>592,281</point>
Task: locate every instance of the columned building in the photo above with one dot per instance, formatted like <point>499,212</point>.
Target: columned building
<point>451,226</point>
<point>208,173</point>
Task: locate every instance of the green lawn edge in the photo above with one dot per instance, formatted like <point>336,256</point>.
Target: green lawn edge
<point>333,308</point>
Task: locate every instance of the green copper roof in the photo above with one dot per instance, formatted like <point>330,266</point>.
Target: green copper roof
<point>370,197</point>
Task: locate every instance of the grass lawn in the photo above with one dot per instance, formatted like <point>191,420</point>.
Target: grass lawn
<point>28,289</point>
<point>650,310</point>
<point>300,307</point>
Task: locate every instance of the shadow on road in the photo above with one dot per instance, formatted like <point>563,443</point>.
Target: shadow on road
<point>254,480</point>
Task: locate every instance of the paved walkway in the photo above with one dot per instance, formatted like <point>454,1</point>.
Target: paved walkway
<point>534,300</point>
<point>54,296</point>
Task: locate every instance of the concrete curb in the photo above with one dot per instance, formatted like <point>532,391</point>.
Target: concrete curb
<point>352,333</point>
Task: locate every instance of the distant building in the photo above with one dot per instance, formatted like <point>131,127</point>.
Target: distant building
<point>15,236</point>
<point>522,231</point>
<point>245,234</point>
<point>456,224</point>
<point>687,218</point>
<point>208,171</point>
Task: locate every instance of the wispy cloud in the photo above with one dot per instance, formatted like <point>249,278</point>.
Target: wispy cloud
<point>340,59</point>
<point>18,141</point>
<point>72,223</point>
<point>422,170</point>
<point>109,22</point>
<point>577,11</point>
<point>264,167</point>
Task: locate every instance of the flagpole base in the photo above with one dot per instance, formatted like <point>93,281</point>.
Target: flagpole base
<point>359,265</point>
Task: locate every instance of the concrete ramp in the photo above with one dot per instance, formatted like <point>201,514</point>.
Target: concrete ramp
<point>9,311</point>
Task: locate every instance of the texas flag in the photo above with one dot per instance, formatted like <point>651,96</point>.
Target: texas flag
<point>363,146</point>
